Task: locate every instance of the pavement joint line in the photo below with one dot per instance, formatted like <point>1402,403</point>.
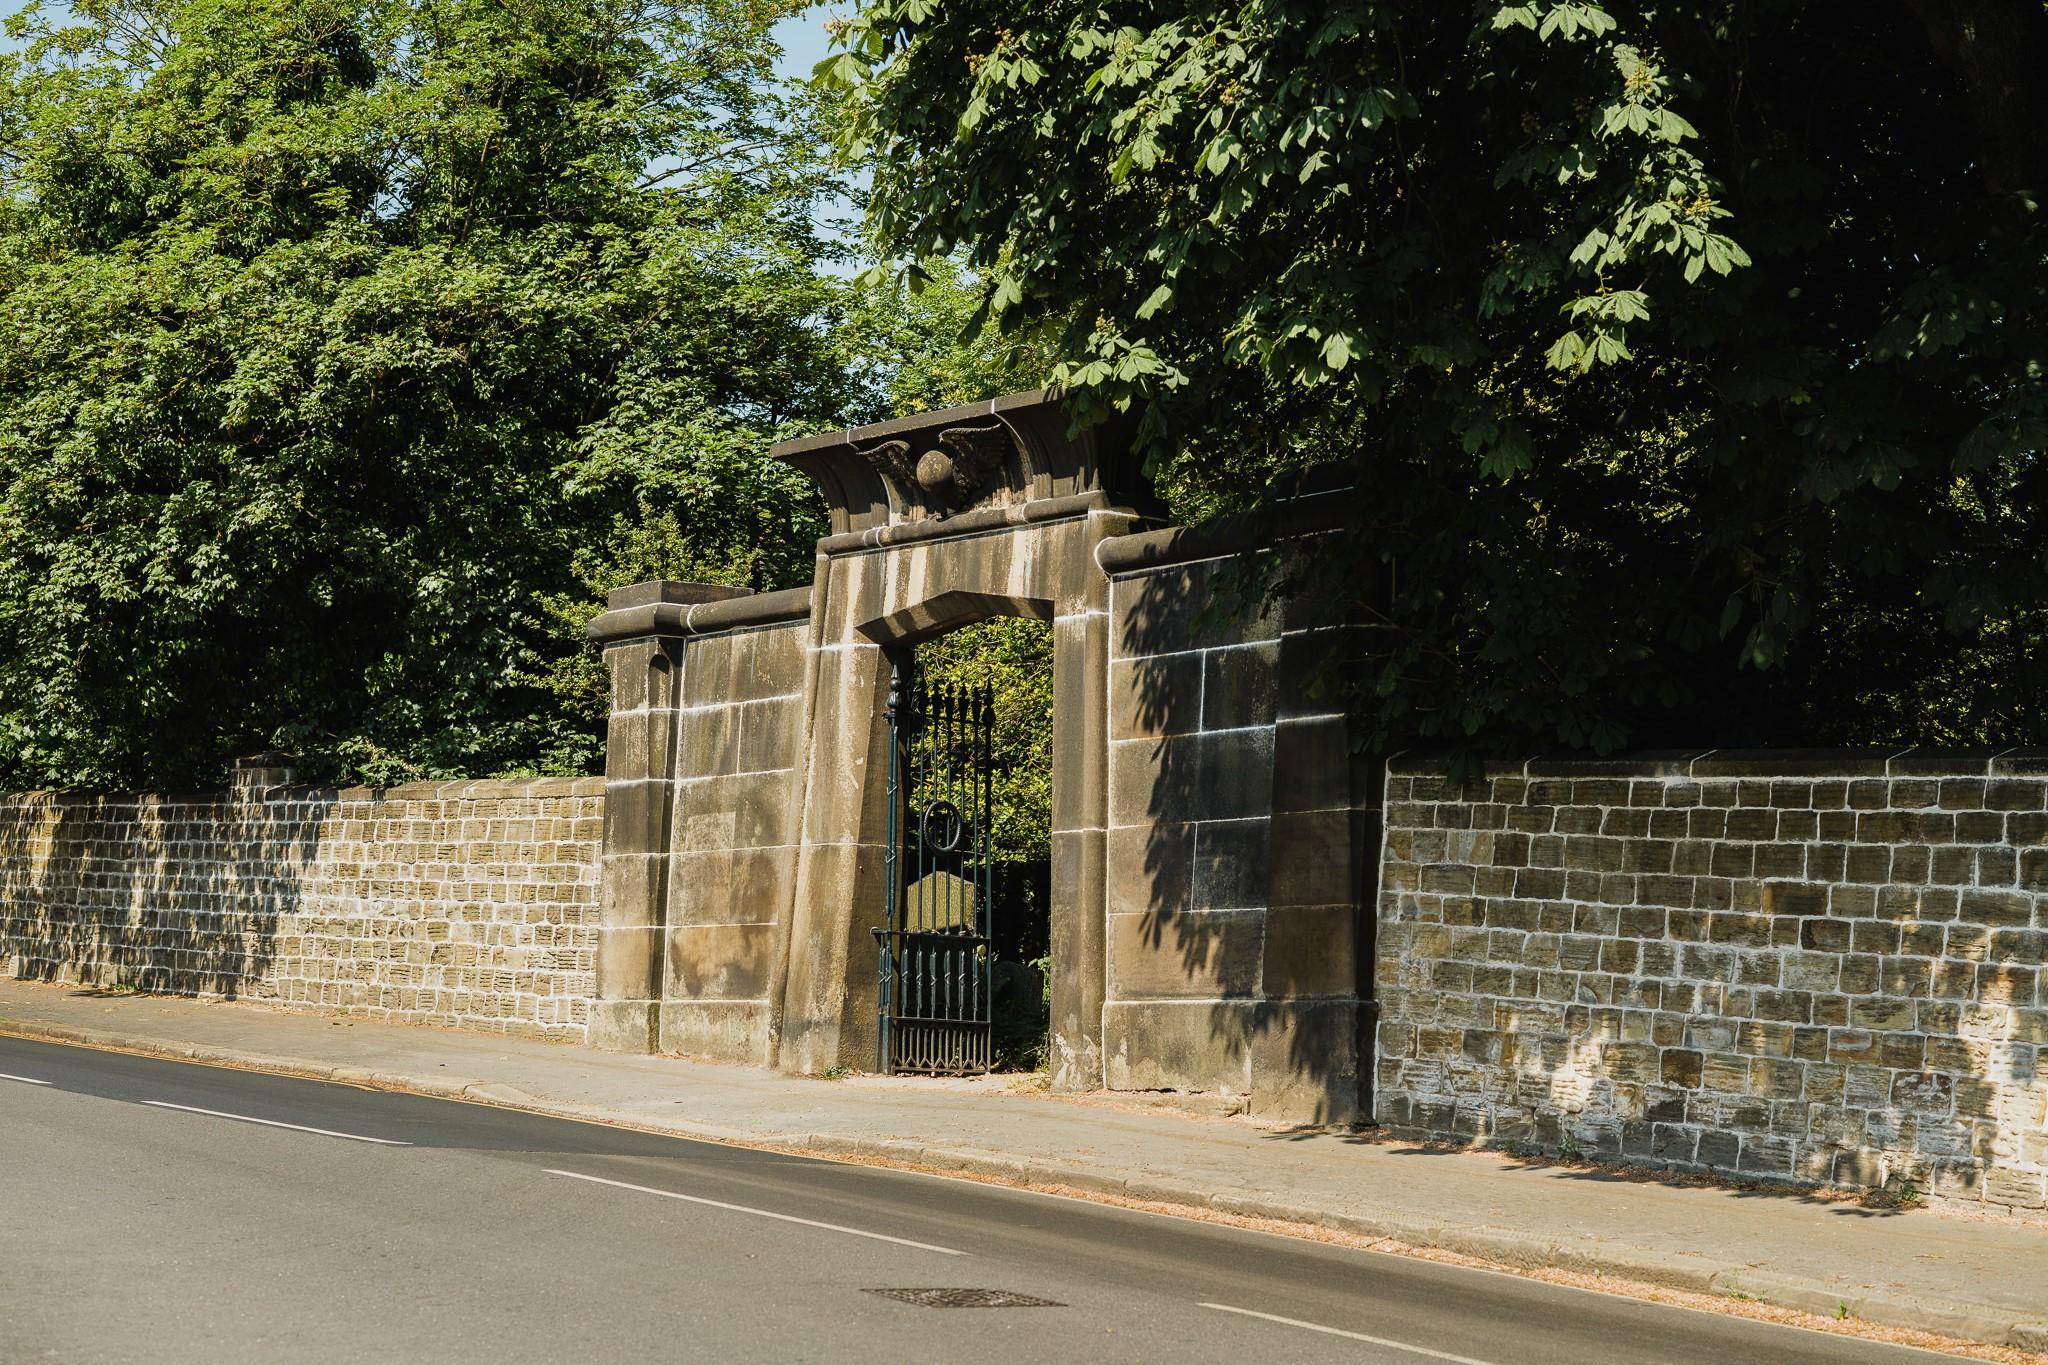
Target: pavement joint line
<point>1408,1346</point>
<point>25,1080</point>
<point>759,1213</point>
<point>274,1123</point>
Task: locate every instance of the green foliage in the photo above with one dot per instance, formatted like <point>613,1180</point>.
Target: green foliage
<point>1686,361</point>
<point>1014,656</point>
<point>351,348</point>
<point>1021,1015</point>
<point>912,343</point>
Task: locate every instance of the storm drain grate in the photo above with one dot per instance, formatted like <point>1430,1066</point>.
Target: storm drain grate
<point>966,1298</point>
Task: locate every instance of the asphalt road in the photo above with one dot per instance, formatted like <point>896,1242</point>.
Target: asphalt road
<point>302,1221</point>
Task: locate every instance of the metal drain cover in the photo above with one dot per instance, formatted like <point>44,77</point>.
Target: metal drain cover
<point>965,1298</point>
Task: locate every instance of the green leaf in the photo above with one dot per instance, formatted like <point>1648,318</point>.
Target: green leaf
<point>1568,352</point>
<point>1159,298</point>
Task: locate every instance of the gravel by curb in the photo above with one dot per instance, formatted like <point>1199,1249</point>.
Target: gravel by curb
<point>1515,1251</point>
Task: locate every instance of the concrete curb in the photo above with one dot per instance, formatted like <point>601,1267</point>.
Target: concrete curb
<point>1514,1251</point>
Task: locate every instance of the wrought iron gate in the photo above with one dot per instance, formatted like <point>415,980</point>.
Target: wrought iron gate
<point>936,959</point>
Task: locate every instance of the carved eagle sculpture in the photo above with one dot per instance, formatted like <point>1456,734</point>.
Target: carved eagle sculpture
<point>953,472</point>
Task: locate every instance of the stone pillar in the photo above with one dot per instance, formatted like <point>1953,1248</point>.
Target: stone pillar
<point>1080,817</point>
<point>829,990</point>
<point>1325,845</point>
<point>642,630</point>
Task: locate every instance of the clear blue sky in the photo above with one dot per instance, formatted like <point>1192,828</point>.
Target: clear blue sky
<point>803,39</point>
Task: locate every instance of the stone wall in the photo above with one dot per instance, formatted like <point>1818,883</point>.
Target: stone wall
<point>470,904</point>
<point>1818,968</point>
<point>706,679</point>
<point>732,865</point>
<point>1240,841</point>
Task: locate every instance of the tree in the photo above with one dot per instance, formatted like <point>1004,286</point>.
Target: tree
<point>1686,360</point>
<point>914,344</point>
<point>349,348</point>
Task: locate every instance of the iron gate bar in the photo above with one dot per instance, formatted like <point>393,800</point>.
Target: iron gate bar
<point>936,958</point>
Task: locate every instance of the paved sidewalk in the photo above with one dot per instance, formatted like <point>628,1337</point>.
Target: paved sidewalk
<point>1980,1280</point>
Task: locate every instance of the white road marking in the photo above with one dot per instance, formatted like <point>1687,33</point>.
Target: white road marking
<point>273,1123</point>
<point>1391,1345</point>
<point>759,1213</point>
<point>25,1080</point>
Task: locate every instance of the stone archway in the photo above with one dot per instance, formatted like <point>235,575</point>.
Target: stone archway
<point>940,522</point>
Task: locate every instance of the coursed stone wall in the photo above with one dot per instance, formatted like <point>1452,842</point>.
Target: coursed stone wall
<point>1824,969</point>
<point>471,904</point>
<point>1239,843</point>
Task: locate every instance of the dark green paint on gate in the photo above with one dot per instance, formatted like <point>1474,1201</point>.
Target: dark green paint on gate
<point>937,960</point>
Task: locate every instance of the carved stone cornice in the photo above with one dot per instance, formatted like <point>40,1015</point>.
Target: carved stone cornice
<point>935,466</point>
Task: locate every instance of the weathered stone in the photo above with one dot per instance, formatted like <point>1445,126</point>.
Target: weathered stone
<point>1233,865</point>
<point>1313,859</point>
<point>720,961</point>
<point>1312,765</point>
<point>1179,1045</point>
<point>727,1030</point>
<point>1304,1061</point>
<point>1823,1010</point>
<point>1206,955</point>
<point>1156,695</point>
<point>1080,951</point>
<point>1238,686</point>
<point>730,886</point>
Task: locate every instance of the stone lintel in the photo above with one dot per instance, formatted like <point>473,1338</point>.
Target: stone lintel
<point>977,522</point>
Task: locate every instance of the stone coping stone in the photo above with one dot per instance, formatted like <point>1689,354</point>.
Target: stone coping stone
<point>896,426</point>
<point>658,590</point>
<point>470,789</point>
<point>1311,514</point>
<point>761,609</point>
<point>678,615</point>
<point>1817,763</point>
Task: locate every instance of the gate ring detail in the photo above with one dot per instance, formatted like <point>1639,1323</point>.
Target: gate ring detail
<point>941,828</point>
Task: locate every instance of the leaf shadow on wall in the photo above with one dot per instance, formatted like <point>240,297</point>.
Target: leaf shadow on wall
<point>178,895</point>
<point>1251,810</point>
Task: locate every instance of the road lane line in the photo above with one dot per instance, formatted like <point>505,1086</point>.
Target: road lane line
<point>759,1213</point>
<point>25,1080</point>
<point>273,1123</point>
<point>1390,1344</point>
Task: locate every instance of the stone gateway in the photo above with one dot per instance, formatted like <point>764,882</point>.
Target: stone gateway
<point>1210,840</point>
